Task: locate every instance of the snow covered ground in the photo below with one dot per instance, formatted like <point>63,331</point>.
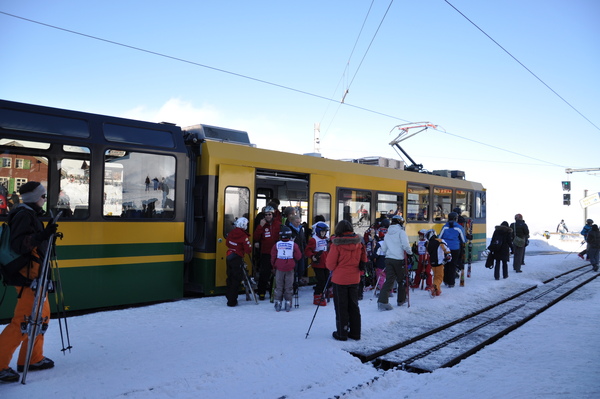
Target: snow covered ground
<point>199,348</point>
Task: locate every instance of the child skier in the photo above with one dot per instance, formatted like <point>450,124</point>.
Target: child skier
<point>423,264</point>
<point>284,255</point>
<point>238,245</point>
<point>316,250</point>
<point>439,254</point>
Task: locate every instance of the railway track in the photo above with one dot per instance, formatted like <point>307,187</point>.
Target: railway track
<point>446,345</point>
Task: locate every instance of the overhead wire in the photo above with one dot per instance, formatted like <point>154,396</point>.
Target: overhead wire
<point>520,63</point>
<point>255,79</point>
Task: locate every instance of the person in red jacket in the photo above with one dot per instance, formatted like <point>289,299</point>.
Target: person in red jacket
<point>238,243</point>
<point>284,255</point>
<point>265,236</point>
<point>344,258</point>
<point>316,250</point>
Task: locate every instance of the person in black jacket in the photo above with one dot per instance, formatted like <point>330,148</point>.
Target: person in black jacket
<point>500,248</point>
<point>27,237</point>
<point>593,246</point>
<point>520,236</point>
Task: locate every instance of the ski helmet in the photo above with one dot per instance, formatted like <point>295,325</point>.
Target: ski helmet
<point>452,216</point>
<point>242,223</point>
<point>423,232</point>
<point>269,209</point>
<point>397,219</point>
<point>589,221</point>
<point>430,233</point>
<point>319,227</point>
<point>385,223</point>
<point>285,233</point>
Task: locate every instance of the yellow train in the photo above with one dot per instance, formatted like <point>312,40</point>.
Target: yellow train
<point>146,206</point>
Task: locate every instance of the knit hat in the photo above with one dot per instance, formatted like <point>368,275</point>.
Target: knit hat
<point>31,192</point>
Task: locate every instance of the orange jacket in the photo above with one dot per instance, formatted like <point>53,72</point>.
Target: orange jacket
<point>345,254</point>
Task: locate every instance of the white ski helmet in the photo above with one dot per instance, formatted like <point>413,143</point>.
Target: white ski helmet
<point>242,223</point>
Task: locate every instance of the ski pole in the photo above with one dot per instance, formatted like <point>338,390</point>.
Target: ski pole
<point>583,242</point>
<point>318,306</point>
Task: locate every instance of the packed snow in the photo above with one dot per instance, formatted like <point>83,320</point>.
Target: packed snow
<point>200,348</point>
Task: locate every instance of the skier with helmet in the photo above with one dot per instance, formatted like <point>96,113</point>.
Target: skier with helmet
<point>316,250</point>
<point>238,244</point>
<point>284,255</point>
<point>453,234</point>
<point>265,236</point>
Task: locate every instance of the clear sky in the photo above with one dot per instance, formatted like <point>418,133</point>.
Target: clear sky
<point>275,68</point>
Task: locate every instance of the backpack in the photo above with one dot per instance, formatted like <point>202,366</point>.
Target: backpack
<point>496,243</point>
<point>10,261</point>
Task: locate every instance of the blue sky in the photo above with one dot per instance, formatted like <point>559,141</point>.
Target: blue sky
<point>413,61</point>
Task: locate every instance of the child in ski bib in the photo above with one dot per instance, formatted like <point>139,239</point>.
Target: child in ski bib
<point>284,255</point>
<point>423,265</point>
<point>238,246</point>
<point>316,250</point>
<point>439,254</point>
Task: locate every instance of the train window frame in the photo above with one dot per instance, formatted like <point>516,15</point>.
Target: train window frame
<point>230,214</point>
<point>465,206</point>
<point>145,207</point>
<point>398,205</point>
<point>423,209</point>
<point>27,121</point>
<point>345,211</point>
<point>444,207</point>
<point>322,206</point>
<point>117,133</point>
<point>80,207</point>
<point>480,205</point>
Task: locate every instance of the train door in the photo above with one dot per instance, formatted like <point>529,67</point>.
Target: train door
<point>236,184</point>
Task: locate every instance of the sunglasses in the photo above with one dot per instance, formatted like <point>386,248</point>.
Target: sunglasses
<point>44,196</point>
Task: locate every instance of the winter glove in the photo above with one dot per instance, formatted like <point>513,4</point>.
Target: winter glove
<point>49,230</point>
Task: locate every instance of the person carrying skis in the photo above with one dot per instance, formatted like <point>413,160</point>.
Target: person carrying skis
<point>316,250</point>
<point>439,254</point>
<point>454,234</point>
<point>238,244</point>
<point>265,236</point>
<point>423,264</point>
<point>345,255</point>
<point>395,245</point>
<point>284,255</point>
<point>28,237</point>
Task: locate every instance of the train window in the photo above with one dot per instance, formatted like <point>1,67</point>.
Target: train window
<point>389,204</point>
<point>25,144</point>
<point>138,185</point>
<point>16,170</point>
<point>47,124</point>
<point>355,207</point>
<point>464,201</point>
<point>417,202</point>
<point>137,135</point>
<point>322,206</point>
<point>442,203</point>
<point>74,196</point>
<point>237,204</point>
<point>480,205</point>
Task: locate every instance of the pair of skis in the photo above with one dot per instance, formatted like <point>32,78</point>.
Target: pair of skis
<point>249,285</point>
<point>469,252</point>
<point>36,324</point>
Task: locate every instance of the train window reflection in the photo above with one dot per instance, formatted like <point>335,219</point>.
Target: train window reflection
<point>74,196</point>
<point>417,202</point>
<point>138,185</point>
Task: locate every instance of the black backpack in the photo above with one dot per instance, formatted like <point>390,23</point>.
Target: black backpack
<point>497,243</point>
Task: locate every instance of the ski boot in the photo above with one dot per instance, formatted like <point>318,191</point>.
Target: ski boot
<point>288,306</point>
<point>277,306</point>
